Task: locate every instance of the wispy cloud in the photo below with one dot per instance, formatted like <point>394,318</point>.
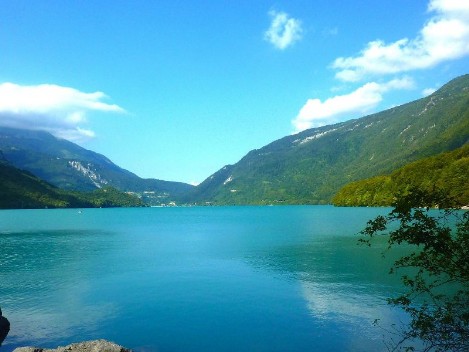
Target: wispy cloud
<point>444,37</point>
<point>59,110</point>
<point>283,31</point>
<point>317,113</point>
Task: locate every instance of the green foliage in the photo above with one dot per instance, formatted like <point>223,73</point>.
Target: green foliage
<point>20,189</point>
<point>435,273</point>
<point>311,166</point>
<point>110,197</point>
<point>446,172</point>
<point>376,191</point>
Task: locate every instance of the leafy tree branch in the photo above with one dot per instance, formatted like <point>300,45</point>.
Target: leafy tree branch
<point>435,273</point>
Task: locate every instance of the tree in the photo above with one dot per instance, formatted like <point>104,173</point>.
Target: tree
<point>435,273</point>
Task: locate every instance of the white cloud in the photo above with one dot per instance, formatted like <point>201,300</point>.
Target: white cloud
<point>317,113</point>
<point>444,37</point>
<point>283,31</point>
<point>428,91</point>
<point>59,110</point>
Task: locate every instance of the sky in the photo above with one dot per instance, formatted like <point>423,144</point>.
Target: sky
<point>175,90</point>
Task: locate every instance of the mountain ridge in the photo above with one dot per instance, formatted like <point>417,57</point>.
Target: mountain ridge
<point>306,168</point>
<point>68,166</point>
<point>311,166</point>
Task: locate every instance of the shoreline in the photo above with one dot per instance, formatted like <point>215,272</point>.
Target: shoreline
<point>85,346</point>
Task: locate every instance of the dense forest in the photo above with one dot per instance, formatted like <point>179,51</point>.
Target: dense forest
<point>446,172</point>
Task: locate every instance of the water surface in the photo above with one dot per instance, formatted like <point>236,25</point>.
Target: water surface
<point>195,279</point>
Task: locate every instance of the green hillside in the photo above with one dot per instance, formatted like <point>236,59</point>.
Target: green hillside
<point>446,172</point>
<point>22,190</point>
<point>71,167</point>
<point>311,166</point>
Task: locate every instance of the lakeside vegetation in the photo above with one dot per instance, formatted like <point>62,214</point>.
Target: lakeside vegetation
<point>445,172</point>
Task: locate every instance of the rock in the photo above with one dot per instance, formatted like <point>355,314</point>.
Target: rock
<point>4,327</point>
<point>87,346</point>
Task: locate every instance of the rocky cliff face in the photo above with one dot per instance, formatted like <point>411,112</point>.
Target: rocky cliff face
<point>88,172</point>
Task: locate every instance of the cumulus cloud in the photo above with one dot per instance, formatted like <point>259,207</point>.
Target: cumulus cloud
<point>444,37</point>
<point>283,31</point>
<point>59,110</point>
<point>317,113</point>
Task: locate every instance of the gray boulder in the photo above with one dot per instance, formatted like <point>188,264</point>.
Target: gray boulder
<point>87,346</point>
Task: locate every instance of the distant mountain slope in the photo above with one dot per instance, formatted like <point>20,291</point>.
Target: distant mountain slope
<point>447,172</point>
<point>311,166</point>
<point>69,166</point>
<point>22,190</point>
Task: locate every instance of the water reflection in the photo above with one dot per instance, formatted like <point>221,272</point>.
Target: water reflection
<point>47,280</point>
<point>341,282</point>
<point>36,326</point>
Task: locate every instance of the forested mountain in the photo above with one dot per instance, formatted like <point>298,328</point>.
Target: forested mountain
<point>22,190</point>
<point>446,172</point>
<point>305,168</point>
<point>71,167</point>
<point>311,166</point>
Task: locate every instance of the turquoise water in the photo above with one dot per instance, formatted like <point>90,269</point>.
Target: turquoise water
<point>195,279</point>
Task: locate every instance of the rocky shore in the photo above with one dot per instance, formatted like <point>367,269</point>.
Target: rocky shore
<point>87,346</point>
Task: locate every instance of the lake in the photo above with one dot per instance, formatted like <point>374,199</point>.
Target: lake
<point>286,278</point>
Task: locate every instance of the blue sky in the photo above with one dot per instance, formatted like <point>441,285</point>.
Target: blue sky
<point>177,89</point>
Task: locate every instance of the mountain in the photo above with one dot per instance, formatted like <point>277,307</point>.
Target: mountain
<point>446,172</point>
<point>311,166</point>
<point>69,166</point>
<point>22,190</point>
